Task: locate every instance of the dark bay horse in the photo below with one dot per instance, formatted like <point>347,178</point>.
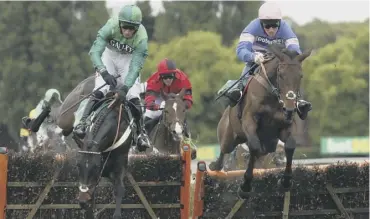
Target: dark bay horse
<point>104,151</point>
<point>168,131</point>
<point>265,114</point>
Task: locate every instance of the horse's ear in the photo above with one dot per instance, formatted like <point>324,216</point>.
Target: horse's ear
<point>277,51</point>
<point>304,55</point>
<point>181,93</point>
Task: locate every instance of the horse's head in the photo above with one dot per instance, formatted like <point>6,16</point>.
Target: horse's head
<point>288,77</point>
<point>89,166</point>
<point>100,135</point>
<point>174,114</point>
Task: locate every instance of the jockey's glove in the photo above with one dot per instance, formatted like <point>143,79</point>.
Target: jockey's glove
<point>122,92</point>
<point>108,78</point>
<point>162,105</point>
<point>153,106</point>
<point>258,58</point>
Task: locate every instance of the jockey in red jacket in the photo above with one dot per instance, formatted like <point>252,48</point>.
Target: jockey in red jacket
<point>169,79</point>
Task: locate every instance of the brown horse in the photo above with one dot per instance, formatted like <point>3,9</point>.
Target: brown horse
<point>168,133</point>
<point>265,114</point>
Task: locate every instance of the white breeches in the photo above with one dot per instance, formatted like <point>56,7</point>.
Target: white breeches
<point>117,64</point>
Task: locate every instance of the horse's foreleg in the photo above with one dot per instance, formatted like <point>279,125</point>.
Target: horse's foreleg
<point>119,190</point>
<point>250,129</point>
<point>119,187</point>
<point>246,187</point>
<point>89,213</point>
<point>290,145</point>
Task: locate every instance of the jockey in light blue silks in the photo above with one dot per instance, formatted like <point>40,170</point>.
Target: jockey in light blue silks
<point>268,28</point>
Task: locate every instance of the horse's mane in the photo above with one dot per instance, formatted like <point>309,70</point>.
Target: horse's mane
<point>100,120</point>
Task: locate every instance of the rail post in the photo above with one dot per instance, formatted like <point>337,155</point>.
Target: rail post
<point>198,202</point>
<point>185,184</point>
<point>3,179</point>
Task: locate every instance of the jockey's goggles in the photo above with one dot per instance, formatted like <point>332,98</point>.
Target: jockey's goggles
<point>167,76</point>
<point>128,26</point>
<point>270,23</point>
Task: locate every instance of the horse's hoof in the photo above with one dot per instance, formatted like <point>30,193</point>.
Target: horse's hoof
<point>243,194</point>
<point>285,184</point>
<point>214,166</point>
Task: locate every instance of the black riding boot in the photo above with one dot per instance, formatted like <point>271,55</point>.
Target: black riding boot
<point>303,108</point>
<point>80,129</point>
<point>149,124</point>
<point>235,93</point>
<point>143,141</point>
<point>35,124</point>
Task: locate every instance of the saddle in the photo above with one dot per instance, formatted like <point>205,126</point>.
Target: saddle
<point>245,89</point>
<point>105,102</point>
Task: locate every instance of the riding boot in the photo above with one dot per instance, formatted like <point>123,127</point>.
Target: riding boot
<point>303,108</point>
<point>143,141</point>
<point>149,124</point>
<point>235,93</point>
<point>80,129</point>
<point>35,124</point>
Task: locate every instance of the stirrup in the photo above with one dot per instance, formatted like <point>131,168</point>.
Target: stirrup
<point>144,138</point>
<point>233,101</point>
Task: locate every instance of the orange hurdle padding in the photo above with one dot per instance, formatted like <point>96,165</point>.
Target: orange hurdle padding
<point>260,172</point>
<point>198,202</point>
<point>185,187</point>
<point>3,180</point>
